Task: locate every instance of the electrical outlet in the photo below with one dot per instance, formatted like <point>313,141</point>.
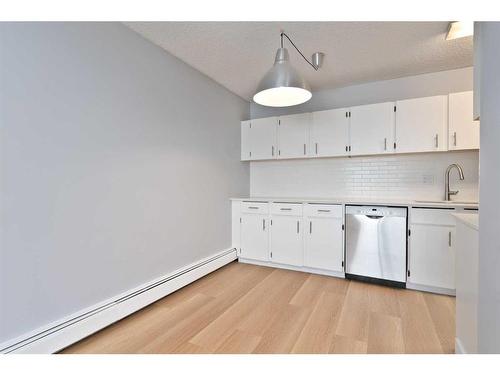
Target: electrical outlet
<point>428,179</point>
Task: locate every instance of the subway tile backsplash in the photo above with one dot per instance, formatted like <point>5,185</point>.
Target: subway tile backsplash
<point>410,176</point>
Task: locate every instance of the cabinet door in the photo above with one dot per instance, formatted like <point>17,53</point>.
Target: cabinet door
<point>254,237</point>
<point>245,141</point>
<point>371,129</point>
<point>330,133</point>
<point>324,244</point>
<point>432,255</point>
<point>286,240</point>
<point>263,138</point>
<point>421,124</point>
<point>293,135</point>
<point>463,131</point>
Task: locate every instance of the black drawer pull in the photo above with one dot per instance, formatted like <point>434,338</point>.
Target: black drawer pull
<point>285,209</point>
<point>253,207</point>
<point>323,210</point>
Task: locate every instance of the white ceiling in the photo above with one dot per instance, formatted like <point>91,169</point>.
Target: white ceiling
<point>238,54</point>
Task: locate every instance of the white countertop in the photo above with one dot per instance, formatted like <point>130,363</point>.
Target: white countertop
<point>471,220</point>
<point>362,201</point>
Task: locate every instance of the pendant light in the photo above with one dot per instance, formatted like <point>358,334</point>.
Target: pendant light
<point>282,86</point>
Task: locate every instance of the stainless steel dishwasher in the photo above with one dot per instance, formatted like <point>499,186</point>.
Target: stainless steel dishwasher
<point>376,244</point>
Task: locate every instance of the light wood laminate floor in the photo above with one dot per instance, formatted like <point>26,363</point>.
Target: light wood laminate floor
<point>242,308</point>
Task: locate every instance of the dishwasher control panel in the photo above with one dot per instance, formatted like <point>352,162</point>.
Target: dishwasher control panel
<point>376,210</point>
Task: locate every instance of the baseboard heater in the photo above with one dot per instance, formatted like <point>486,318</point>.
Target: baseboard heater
<point>72,329</point>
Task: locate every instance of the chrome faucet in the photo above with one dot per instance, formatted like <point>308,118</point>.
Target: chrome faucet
<point>447,191</point>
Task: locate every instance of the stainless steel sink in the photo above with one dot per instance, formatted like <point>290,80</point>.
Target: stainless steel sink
<point>448,202</point>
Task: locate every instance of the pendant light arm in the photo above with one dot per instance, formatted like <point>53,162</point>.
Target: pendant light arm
<point>301,54</point>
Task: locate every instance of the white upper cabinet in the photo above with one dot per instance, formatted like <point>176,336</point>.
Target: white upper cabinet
<point>258,139</point>
<point>330,133</point>
<point>293,136</point>
<point>371,129</point>
<point>263,138</point>
<point>421,124</point>
<point>245,140</point>
<point>463,130</point>
<point>435,123</point>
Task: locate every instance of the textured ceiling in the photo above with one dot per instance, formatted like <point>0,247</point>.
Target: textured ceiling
<point>238,54</point>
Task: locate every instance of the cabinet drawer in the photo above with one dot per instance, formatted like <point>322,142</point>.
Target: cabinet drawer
<point>323,210</point>
<point>432,216</point>
<point>293,209</point>
<point>255,207</point>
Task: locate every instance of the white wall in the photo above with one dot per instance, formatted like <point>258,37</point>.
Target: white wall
<point>116,164</point>
<point>377,92</point>
<point>412,176</point>
<point>489,217</point>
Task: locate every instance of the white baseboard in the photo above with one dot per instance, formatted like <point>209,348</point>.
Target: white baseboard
<point>293,268</point>
<point>431,289</point>
<point>62,333</point>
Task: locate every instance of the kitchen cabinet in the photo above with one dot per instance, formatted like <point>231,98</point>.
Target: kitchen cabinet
<point>259,138</point>
<point>324,245</point>
<point>254,231</point>
<point>245,140</point>
<point>435,123</point>
<point>432,249</point>
<point>371,129</point>
<point>330,133</point>
<point>421,124</point>
<point>309,237</point>
<point>463,131</point>
<point>293,133</point>
<point>286,234</point>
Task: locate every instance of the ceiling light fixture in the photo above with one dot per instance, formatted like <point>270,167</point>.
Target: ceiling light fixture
<point>282,86</point>
<point>460,29</point>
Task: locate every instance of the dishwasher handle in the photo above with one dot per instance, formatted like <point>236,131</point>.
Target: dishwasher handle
<point>375,217</point>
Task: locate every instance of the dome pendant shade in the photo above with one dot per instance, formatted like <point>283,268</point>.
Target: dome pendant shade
<point>282,86</point>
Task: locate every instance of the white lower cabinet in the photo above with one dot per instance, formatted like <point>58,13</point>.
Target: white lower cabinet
<point>310,237</point>
<point>286,234</point>
<point>432,249</point>
<point>290,234</point>
<point>254,231</point>
<point>324,237</point>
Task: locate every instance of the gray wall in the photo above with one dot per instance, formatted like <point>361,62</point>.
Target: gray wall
<point>489,189</point>
<point>377,92</point>
<point>116,164</point>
